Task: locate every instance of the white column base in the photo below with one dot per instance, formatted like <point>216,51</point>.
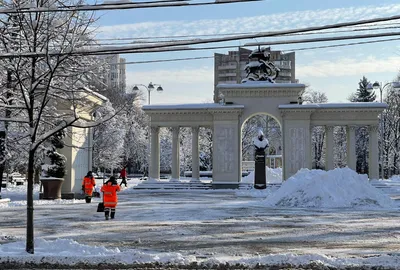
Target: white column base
<point>152,180</point>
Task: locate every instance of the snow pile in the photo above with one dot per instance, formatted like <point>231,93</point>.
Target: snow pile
<point>271,175</point>
<point>14,192</point>
<point>254,193</point>
<point>328,189</point>
<point>395,178</point>
<point>318,259</point>
<point>69,252</point>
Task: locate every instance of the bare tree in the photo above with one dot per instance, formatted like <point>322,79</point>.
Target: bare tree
<point>318,133</point>
<point>49,92</point>
<point>390,134</point>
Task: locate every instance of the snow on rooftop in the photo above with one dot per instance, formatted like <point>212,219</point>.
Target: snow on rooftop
<point>334,105</point>
<point>193,106</point>
<point>94,93</point>
<point>341,187</point>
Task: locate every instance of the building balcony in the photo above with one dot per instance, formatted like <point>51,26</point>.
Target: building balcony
<point>227,67</point>
<point>283,64</point>
<point>285,73</point>
<point>227,75</point>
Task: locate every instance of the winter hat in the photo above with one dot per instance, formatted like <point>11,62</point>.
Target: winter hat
<point>112,179</point>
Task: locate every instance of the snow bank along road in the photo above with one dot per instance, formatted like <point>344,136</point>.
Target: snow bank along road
<point>206,224</point>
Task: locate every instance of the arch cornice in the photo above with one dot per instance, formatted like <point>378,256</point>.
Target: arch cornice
<point>191,114</point>
<point>258,89</point>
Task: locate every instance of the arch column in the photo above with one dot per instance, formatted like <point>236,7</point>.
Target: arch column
<point>373,152</point>
<point>175,153</point>
<point>329,164</point>
<point>195,154</point>
<point>154,166</point>
<point>351,147</point>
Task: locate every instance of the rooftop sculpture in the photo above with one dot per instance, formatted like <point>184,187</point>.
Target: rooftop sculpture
<point>260,68</point>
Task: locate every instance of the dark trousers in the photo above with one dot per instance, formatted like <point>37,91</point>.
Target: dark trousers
<point>88,199</point>
<point>124,181</point>
<point>107,212</point>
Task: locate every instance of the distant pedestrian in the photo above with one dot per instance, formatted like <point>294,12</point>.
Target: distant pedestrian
<point>122,174</point>
<point>88,184</point>
<point>110,197</point>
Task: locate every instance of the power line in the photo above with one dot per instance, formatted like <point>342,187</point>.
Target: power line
<point>266,43</point>
<point>119,6</point>
<point>165,60</point>
<point>171,47</point>
<point>245,33</point>
<point>288,50</point>
<point>175,40</point>
<point>342,45</point>
<point>156,47</point>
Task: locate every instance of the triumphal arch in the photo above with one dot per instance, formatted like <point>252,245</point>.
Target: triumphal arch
<point>254,96</point>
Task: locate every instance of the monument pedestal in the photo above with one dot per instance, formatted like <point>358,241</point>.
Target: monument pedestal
<point>259,170</point>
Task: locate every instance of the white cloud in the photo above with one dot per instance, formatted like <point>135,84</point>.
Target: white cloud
<point>348,67</point>
<point>246,24</point>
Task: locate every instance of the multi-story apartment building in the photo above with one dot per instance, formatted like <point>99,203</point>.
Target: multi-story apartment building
<point>116,78</point>
<point>229,68</point>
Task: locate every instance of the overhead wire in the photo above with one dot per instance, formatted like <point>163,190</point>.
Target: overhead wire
<point>224,47</point>
<point>174,40</point>
<point>159,47</point>
<point>245,33</point>
<point>119,6</point>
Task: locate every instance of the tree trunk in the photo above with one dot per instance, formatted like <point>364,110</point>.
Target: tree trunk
<point>38,172</point>
<point>2,156</point>
<point>29,221</point>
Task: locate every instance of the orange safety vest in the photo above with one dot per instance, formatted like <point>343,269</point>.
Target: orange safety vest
<point>88,183</point>
<point>110,197</point>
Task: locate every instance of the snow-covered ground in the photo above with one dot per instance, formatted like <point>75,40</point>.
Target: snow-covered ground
<point>334,218</point>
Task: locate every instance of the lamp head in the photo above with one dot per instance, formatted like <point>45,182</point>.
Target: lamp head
<point>376,85</point>
<point>151,86</point>
<point>135,88</point>
<point>160,89</point>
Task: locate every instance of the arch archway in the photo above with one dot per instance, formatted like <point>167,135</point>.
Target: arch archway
<point>272,130</point>
<point>280,101</point>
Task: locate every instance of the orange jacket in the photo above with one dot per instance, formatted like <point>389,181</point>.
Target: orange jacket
<point>88,184</point>
<point>110,197</point>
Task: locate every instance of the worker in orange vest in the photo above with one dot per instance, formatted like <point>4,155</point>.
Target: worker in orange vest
<point>88,184</point>
<point>110,198</point>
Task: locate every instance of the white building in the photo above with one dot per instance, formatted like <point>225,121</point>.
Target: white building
<point>116,78</point>
<point>230,68</point>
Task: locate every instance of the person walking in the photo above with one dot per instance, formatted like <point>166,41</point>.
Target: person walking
<point>88,184</point>
<point>110,197</point>
<point>122,174</point>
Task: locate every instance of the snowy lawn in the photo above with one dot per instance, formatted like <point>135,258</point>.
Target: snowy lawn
<point>336,219</point>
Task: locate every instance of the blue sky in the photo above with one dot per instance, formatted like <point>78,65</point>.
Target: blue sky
<point>335,71</point>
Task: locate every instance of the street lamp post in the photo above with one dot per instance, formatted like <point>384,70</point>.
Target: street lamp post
<point>375,86</point>
<point>149,88</point>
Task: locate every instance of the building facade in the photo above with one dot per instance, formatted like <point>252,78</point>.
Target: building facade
<point>116,77</point>
<point>230,68</point>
